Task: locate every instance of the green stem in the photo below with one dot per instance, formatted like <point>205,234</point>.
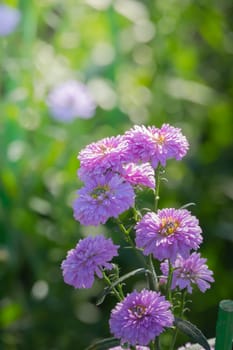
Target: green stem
<point>154,277</point>
<point>180,315</point>
<point>157,186</point>
<point>121,291</point>
<point>130,241</point>
<point>169,281</point>
<point>157,343</point>
<point>136,214</point>
<point>107,280</point>
<point>152,345</point>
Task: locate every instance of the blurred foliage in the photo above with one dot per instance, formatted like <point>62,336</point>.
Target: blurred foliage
<point>146,62</point>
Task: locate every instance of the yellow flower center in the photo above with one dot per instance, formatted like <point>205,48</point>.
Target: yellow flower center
<point>168,226</point>
<point>159,139</point>
<point>99,191</point>
<point>138,310</point>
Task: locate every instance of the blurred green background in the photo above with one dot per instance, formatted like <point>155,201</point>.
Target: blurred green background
<point>145,62</point>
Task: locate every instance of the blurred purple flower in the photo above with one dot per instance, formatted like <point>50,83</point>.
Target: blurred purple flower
<point>88,258</point>
<point>168,232</point>
<point>139,174</point>
<point>71,100</point>
<point>140,317</point>
<point>154,145</point>
<point>9,19</point>
<point>103,196</point>
<point>188,272</point>
<point>105,154</point>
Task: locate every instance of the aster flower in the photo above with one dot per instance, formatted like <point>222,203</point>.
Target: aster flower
<point>88,258</point>
<point>9,19</point>
<point>154,145</point>
<point>168,232</point>
<point>139,174</point>
<point>71,100</point>
<point>140,317</point>
<point>105,154</point>
<point>104,196</point>
<point>189,272</point>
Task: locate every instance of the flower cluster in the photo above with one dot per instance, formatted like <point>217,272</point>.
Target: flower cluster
<point>111,170</point>
<point>127,157</point>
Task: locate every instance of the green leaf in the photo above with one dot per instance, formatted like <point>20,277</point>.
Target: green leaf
<point>187,205</point>
<point>107,290</point>
<point>10,312</point>
<point>104,344</point>
<point>192,331</point>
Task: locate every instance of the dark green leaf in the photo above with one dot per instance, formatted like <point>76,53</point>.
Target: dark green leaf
<point>104,344</point>
<point>192,331</point>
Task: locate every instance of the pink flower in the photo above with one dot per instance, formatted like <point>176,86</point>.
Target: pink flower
<point>106,154</point>
<point>154,145</point>
<point>189,272</point>
<point>102,197</point>
<point>139,174</point>
<point>140,317</point>
<point>88,258</point>
<point>167,233</point>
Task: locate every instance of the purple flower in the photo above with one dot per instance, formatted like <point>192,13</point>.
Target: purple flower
<point>188,272</point>
<point>104,196</point>
<point>140,317</point>
<point>108,153</point>
<point>154,145</point>
<point>9,19</point>
<point>71,100</point>
<point>168,232</point>
<point>88,258</point>
<point>139,174</point>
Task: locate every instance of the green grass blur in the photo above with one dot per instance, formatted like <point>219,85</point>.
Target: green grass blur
<point>145,62</point>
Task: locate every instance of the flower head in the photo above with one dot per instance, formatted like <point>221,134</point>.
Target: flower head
<point>9,19</point>
<point>105,154</point>
<point>139,174</point>
<point>189,272</point>
<point>168,232</point>
<point>104,196</point>
<point>87,259</point>
<point>140,317</point>
<point>70,100</point>
<point>154,145</point>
